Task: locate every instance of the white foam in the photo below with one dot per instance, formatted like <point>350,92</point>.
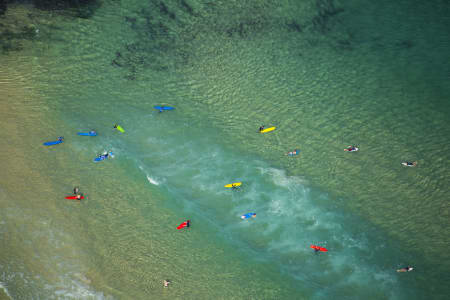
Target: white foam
<point>73,289</point>
<point>152,180</point>
<point>290,217</point>
<point>280,178</point>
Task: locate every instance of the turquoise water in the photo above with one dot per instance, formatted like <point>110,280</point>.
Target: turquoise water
<point>327,74</point>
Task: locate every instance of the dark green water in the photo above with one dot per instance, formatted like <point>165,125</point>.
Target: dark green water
<point>327,73</point>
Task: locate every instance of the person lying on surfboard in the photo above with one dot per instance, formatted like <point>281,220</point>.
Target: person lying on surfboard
<point>184,224</point>
<point>292,153</point>
<point>104,155</point>
<point>405,269</point>
<point>76,192</point>
<point>409,164</point>
<point>351,148</point>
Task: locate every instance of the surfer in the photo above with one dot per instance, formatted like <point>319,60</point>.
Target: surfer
<point>166,282</point>
<point>115,126</point>
<point>261,128</point>
<point>234,186</point>
<point>409,164</point>
<point>188,223</point>
<point>405,269</point>
<point>351,148</point>
<point>92,132</point>
<point>79,197</point>
<point>61,138</point>
<point>292,153</point>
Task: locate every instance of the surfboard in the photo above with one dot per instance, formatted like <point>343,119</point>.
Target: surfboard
<point>319,248</point>
<point>52,143</point>
<point>268,129</point>
<point>87,133</point>
<point>73,197</point>
<point>161,108</point>
<point>184,224</point>
<point>248,215</point>
<point>120,128</point>
<point>236,184</point>
<point>59,141</point>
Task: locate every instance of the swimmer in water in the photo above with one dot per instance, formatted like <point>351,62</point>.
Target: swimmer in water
<point>409,164</point>
<point>405,269</point>
<point>76,190</point>
<point>166,282</point>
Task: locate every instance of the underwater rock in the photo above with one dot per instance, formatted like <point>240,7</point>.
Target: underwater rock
<point>81,8</point>
<point>187,7</point>
<point>294,26</point>
<point>408,44</point>
<point>326,10</point>
<point>2,7</point>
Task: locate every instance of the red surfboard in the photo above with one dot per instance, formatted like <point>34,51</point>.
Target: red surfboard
<point>319,248</point>
<point>73,197</point>
<point>184,224</point>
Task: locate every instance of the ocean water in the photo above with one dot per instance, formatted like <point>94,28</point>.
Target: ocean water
<point>327,73</point>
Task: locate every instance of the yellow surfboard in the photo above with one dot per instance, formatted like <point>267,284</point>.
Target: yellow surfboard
<point>268,129</point>
<point>233,184</point>
<point>118,127</point>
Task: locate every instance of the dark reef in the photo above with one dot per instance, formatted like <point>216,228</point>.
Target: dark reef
<point>326,10</point>
<point>77,8</point>
<point>15,30</point>
<point>167,32</point>
<point>10,40</point>
<point>2,7</point>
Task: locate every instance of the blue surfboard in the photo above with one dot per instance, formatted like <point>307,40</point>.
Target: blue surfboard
<point>90,133</point>
<point>162,108</point>
<point>53,142</point>
<point>248,215</point>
